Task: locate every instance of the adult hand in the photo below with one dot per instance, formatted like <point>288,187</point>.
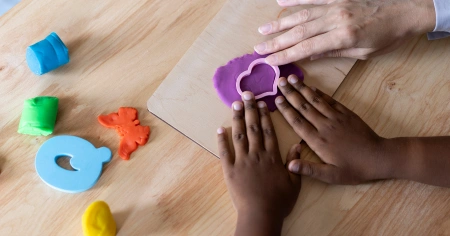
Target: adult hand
<point>262,189</point>
<point>352,152</point>
<point>345,28</point>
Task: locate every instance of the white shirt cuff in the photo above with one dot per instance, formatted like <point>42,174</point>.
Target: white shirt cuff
<point>442,28</point>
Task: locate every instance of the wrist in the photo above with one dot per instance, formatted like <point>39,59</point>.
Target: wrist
<point>422,17</point>
<point>399,153</point>
<point>259,222</point>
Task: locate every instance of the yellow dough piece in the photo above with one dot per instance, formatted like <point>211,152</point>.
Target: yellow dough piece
<point>98,220</point>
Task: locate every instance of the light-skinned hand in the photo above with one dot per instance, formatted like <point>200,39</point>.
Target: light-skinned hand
<point>345,28</point>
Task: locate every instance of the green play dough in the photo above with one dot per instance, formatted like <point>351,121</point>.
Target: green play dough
<point>39,116</point>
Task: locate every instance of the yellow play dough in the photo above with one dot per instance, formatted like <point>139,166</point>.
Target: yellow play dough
<point>98,220</point>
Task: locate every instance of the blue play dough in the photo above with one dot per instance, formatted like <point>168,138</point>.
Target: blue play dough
<point>85,159</point>
<point>47,55</point>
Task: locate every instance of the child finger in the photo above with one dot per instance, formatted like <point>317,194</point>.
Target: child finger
<point>268,131</point>
<point>225,154</point>
<point>300,125</point>
<point>252,122</point>
<point>312,97</point>
<point>324,172</point>
<point>333,103</point>
<point>300,103</point>
<point>293,154</point>
<point>240,141</point>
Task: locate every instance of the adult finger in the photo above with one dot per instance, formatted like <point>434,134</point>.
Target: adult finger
<point>312,97</point>
<point>299,102</point>
<point>294,36</point>
<point>294,154</point>
<point>324,172</point>
<point>288,3</point>
<point>268,131</point>
<point>290,21</point>
<point>357,53</point>
<point>333,103</point>
<point>252,122</point>
<point>305,49</point>
<point>300,125</point>
<point>240,141</point>
<point>225,154</point>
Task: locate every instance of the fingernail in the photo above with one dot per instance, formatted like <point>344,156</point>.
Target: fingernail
<point>261,104</point>
<point>248,96</point>
<point>265,28</point>
<point>260,47</point>
<point>237,106</point>
<point>292,79</point>
<point>314,89</point>
<point>220,130</point>
<point>294,167</point>
<point>281,1</point>
<point>272,59</point>
<point>282,82</point>
<point>279,100</point>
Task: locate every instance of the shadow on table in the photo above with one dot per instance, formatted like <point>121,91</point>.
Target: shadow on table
<point>120,218</point>
<point>2,163</point>
<point>87,53</point>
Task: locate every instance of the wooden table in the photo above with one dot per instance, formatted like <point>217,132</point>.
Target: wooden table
<point>120,52</point>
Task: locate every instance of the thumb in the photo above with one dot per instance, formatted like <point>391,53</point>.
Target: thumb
<point>294,154</point>
<point>324,172</point>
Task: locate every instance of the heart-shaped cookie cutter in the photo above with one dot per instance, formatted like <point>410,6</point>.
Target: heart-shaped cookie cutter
<point>249,71</point>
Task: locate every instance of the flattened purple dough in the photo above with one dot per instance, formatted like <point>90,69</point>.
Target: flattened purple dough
<point>259,81</point>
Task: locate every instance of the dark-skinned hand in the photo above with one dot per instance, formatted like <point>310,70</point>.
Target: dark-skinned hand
<point>352,153</point>
<point>262,189</point>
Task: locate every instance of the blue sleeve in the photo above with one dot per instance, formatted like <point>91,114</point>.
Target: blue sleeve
<point>442,28</point>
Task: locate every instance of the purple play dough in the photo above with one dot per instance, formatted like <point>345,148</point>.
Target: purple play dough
<point>259,81</point>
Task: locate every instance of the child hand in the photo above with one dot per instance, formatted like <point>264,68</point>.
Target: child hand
<point>263,191</point>
<point>352,152</point>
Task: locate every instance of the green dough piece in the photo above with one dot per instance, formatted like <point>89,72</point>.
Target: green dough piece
<point>39,116</point>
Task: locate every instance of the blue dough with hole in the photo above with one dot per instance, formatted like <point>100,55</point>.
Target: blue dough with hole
<point>47,55</point>
<point>84,158</point>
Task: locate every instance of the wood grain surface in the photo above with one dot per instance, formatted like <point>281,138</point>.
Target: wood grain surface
<point>188,92</point>
<point>121,51</point>
<point>405,93</point>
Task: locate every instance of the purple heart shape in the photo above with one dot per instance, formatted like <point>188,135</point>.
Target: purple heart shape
<point>259,81</point>
<point>271,80</point>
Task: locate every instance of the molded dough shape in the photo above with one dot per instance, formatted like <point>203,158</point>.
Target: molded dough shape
<point>38,116</point>
<point>249,71</point>
<point>259,81</point>
<point>97,220</point>
<point>85,159</point>
<point>47,55</point>
<point>127,125</point>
